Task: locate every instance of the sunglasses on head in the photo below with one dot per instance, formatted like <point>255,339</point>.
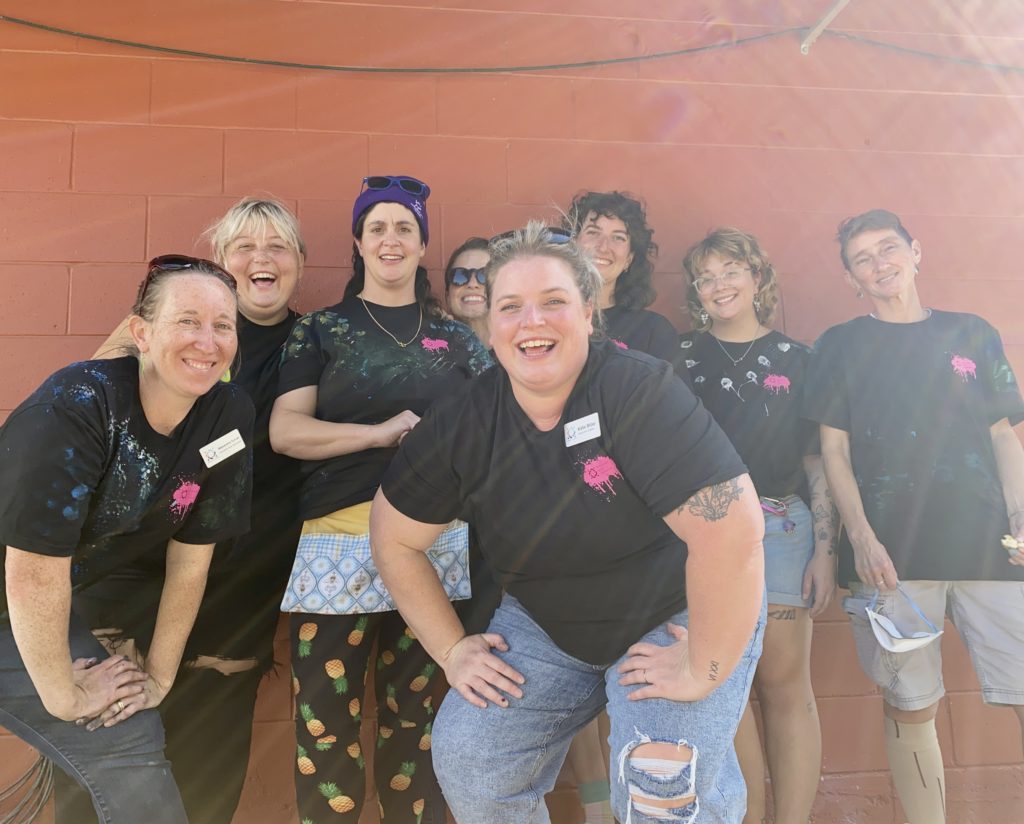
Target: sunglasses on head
<point>406,184</point>
<point>177,263</point>
<point>555,235</point>
<point>462,275</point>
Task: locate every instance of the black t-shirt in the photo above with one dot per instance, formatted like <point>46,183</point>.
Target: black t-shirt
<point>84,475</point>
<point>270,543</point>
<point>757,403</point>
<point>363,376</point>
<point>918,401</point>
<point>574,532</point>
<point>645,331</point>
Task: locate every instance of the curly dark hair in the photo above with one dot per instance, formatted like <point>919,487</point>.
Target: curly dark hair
<point>634,288</point>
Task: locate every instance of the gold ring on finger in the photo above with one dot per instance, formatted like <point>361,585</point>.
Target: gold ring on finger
<point>120,705</point>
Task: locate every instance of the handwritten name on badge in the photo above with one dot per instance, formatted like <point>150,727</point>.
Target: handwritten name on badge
<point>224,447</point>
<point>582,430</point>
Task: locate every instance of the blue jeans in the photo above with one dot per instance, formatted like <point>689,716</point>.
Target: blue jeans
<point>495,765</point>
<point>123,767</point>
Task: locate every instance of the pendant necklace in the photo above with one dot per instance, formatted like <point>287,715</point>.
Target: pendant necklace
<point>739,360</point>
<point>386,332</point>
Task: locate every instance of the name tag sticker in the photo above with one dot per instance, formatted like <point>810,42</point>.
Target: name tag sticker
<point>224,447</point>
<point>582,430</point>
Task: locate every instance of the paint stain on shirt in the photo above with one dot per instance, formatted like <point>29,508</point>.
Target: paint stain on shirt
<point>598,473</point>
<point>183,497</point>
<point>964,367</point>
<point>434,344</point>
<point>776,383</point>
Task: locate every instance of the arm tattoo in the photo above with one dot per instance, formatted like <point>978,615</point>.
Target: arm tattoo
<point>712,502</point>
<point>713,673</point>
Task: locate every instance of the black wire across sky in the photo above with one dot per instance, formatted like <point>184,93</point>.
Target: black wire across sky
<point>582,64</point>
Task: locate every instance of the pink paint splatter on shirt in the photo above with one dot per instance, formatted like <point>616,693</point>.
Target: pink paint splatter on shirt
<point>434,344</point>
<point>619,343</point>
<point>964,367</point>
<point>776,383</point>
<point>184,496</point>
<point>598,473</point>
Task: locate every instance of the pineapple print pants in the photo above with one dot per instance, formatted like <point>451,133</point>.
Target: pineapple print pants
<point>330,662</point>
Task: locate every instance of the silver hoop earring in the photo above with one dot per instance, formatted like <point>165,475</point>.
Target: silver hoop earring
<point>704,317</point>
<point>860,293</point>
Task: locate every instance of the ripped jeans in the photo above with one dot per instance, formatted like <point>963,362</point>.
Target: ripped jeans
<point>496,765</point>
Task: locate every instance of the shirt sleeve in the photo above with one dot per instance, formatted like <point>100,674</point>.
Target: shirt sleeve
<point>421,481</point>
<point>667,444</point>
<point>664,344</point>
<point>52,459</point>
<point>1002,393</point>
<point>222,508</point>
<point>302,361</point>
<point>824,400</point>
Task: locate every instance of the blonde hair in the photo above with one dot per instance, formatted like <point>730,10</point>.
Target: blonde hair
<point>535,240</point>
<point>731,244</point>
<point>254,214</point>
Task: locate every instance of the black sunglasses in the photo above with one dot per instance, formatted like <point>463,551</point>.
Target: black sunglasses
<point>177,263</point>
<point>406,184</point>
<point>462,275</point>
<point>555,235</point>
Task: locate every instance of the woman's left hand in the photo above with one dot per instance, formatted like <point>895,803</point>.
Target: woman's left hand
<point>820,581</point>
<point>151,696</point>
<point>665,672</point>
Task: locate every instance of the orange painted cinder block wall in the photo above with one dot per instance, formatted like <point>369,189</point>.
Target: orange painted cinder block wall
<point>111,154</point>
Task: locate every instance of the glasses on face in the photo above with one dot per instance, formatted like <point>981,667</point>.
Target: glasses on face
<point>406,184</point>
<point>730,277</point>
<point>555,235</point>
<point>462,275</point>
<point>177,263</point>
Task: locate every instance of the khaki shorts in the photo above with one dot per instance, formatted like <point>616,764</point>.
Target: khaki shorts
<point>989,615</point>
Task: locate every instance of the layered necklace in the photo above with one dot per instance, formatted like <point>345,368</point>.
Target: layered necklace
<point>384,329</point>
<point>739,360</point>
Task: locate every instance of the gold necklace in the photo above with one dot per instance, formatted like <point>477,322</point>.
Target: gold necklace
<point>386,332</point>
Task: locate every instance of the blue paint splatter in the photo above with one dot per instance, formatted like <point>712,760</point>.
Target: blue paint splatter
<point>79,492</point>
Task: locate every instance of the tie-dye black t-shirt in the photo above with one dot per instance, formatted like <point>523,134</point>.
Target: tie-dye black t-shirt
<point>918,401</point>
<point>645,331</point>
<point>363,376</point>
<point>574,532</point>
<point>757,403</point>
<point>84,475</point>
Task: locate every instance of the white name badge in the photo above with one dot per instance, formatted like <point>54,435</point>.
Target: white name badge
<point>582,429</point>
<point>224,447</point>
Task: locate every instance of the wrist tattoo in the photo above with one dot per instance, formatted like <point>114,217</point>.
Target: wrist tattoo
<point>713,672</point>
<point>712,502</point>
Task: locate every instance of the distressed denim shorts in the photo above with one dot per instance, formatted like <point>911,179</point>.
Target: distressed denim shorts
<point>788,547</point>
<point>496,765</point>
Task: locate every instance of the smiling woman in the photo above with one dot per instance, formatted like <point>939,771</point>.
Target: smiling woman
<point>108,461</point>
<point>584,468</point>
<point>355,379</point>
<point>231,646</point>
